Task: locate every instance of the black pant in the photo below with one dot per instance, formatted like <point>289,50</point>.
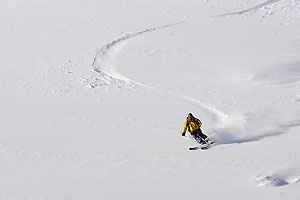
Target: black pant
<point>198,133</point>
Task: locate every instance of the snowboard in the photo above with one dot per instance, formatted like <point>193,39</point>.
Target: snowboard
<point>202,146</point>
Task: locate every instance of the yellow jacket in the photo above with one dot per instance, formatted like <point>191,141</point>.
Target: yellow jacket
<point>191,125</point>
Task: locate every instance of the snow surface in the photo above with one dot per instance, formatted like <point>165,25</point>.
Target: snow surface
<point>94,95</point>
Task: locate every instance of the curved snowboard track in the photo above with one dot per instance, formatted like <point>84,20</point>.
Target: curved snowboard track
<point>103,60</point>
<point>103,65</point>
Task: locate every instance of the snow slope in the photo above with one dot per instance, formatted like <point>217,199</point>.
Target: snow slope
<point>94,95</point>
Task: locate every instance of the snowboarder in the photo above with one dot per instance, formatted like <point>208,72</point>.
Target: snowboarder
<point>193,125</point>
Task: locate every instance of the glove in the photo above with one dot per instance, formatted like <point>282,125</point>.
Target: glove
<point>183,134</point>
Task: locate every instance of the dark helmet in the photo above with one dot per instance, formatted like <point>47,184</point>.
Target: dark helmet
<point>191,115</point>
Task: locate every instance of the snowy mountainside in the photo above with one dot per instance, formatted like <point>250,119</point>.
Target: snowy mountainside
<point>94,95</point>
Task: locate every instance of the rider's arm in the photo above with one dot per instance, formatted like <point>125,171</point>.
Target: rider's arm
<point>184,127</point>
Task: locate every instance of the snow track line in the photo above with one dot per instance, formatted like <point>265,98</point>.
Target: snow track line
<point>103,59</point>
<point>254,8</point>
<point>103,65</point>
